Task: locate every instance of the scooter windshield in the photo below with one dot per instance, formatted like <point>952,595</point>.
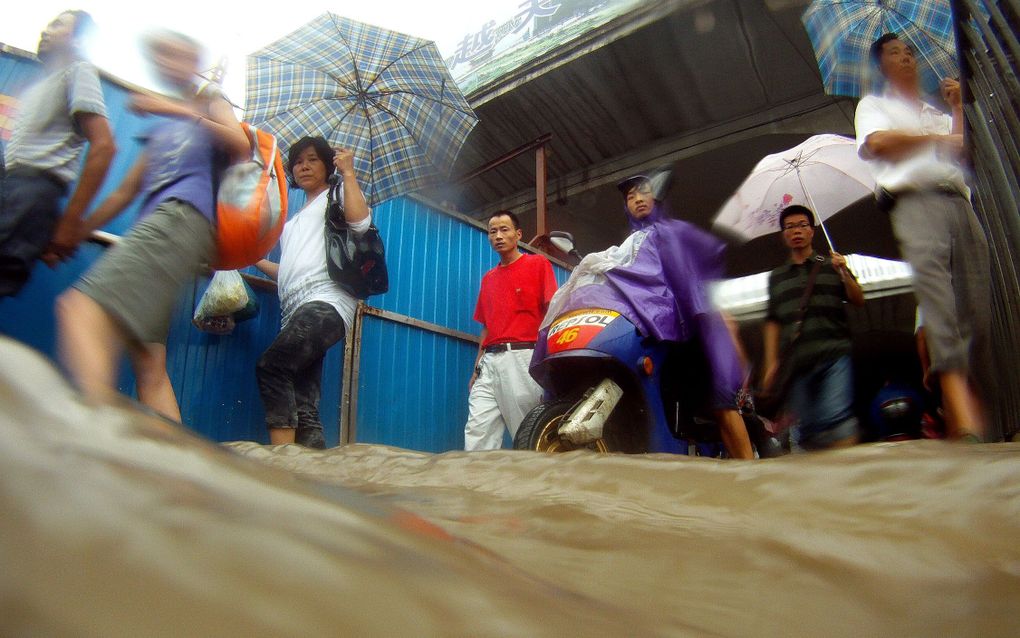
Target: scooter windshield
<point>592,272</point>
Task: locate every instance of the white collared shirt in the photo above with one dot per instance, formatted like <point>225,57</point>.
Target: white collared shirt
<point>928,167</point>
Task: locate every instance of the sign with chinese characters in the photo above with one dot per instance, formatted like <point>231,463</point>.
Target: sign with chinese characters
<point>510,37</point>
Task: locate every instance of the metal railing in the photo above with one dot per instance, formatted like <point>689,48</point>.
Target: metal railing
<point>352,361</point>
<point>988,38</point>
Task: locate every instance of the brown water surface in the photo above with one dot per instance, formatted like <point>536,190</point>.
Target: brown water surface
<point>116,523</point>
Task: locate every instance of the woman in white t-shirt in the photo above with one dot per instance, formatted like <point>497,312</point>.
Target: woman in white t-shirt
<point>317,313</point>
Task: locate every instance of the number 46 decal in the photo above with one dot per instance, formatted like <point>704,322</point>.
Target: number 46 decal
<point>567,336</point>
<point>577,329</point>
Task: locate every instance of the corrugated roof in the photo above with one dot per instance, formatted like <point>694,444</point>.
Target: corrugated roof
<point>564,43</point>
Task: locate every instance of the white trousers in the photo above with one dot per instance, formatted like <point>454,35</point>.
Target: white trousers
<point>502,395</point>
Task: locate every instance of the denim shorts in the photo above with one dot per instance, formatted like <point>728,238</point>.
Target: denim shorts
<point>822,399</point>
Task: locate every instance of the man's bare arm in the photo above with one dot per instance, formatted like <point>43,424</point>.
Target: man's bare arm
<point>118,199</point>
<point>478,357</point>
<point>894,146</point>
<point>68,233</point>
<point>770,333</point>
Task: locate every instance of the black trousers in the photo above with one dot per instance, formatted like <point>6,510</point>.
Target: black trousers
<point>29,210</point>
<point>289,372</point>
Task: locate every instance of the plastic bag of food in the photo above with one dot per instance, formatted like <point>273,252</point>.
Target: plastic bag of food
<point>215,325</point>
<point>251,309</point>
<point>226,294</point>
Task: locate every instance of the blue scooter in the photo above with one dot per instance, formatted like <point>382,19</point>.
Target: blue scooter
<point>609,389</point>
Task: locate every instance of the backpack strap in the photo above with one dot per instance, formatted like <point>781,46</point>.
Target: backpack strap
<point>802,311</point>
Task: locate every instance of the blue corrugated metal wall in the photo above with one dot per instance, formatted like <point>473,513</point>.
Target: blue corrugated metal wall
<point>412,383</point>
<point>412,387</point>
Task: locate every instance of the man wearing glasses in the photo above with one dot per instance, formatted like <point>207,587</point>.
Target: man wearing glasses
<point>807,336</point>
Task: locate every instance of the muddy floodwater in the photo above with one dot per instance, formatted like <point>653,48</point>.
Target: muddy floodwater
<point>116,523</point>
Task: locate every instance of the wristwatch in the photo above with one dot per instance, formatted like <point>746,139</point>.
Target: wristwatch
<point>478,368</point>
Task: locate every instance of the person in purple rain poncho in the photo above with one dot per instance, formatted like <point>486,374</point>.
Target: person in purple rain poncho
<point>658,279</point>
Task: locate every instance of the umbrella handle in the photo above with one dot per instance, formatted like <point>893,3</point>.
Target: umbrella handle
<point>931,65</point>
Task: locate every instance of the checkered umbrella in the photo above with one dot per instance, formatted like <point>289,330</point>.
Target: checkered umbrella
<point>842,32</point>
<point>386,96</point>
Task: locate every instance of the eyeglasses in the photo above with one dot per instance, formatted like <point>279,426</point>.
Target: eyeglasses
<point>800,225</point>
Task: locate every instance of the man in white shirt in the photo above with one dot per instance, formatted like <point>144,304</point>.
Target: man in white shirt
<point>914,151</point>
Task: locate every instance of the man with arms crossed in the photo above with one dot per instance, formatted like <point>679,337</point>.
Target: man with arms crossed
<point>513,299</point>
<point>914,150</point>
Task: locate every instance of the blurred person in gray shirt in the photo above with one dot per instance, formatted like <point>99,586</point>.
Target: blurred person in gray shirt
<point>56,117</point>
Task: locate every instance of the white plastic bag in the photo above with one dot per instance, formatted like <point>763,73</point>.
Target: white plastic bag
<point>225,295</point>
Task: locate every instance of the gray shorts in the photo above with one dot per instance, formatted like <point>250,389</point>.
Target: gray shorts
<point>139,280</point>
<point>940,237</point>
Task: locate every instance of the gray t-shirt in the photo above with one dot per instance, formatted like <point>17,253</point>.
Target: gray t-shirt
<point>45,136</point>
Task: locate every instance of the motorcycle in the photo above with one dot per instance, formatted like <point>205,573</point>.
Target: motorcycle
<point>610,389</point>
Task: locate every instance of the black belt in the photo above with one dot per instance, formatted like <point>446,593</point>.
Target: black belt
<point>505,346</point>
<point>31,172</point>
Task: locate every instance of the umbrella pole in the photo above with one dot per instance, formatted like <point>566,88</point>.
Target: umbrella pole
<point>930,65</point>
<point>811,205</point>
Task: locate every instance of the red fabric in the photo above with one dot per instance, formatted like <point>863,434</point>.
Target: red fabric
<point>513,299</point>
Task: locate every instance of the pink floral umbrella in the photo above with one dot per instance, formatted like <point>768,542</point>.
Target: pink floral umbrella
<point>823,173</point>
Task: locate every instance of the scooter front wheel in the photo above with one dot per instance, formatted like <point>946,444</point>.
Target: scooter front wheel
<point>539,431</point>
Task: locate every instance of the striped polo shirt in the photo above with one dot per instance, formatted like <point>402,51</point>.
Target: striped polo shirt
<point>825,335</point>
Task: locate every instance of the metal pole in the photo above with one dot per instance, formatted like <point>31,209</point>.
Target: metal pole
<point>540,196</point>
<point>349,389</point>
<point>504,158</point>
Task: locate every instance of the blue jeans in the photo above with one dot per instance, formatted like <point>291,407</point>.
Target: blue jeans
<point>822,398</point>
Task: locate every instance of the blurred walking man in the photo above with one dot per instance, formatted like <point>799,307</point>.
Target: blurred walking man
<point>511,304</point>
<point>56,117</point>
<point>914,151</point>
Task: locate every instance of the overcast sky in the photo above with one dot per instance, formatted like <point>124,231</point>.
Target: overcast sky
<point>234,29</point>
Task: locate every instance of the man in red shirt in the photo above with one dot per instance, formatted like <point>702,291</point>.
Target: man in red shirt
<point>511,304</point>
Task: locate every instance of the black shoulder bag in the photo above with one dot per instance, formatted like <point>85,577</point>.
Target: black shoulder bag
<point>770,401</point>
<point>357,263</point>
